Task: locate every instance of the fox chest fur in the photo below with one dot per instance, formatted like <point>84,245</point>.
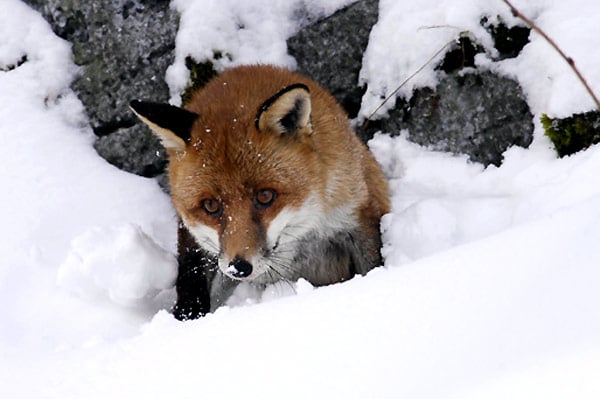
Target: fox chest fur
<point>270,183</point>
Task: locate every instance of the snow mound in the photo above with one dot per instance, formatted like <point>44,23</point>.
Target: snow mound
<point>233,32</point>
<point>491,281</point>
<point>121,263</point>
<point>441,201</point>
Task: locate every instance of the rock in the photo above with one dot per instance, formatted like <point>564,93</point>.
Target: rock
<point>134,149</point>
<point>508,40</point>
<point>471,112</point>
<point>124,48</point>
<point>330,51</point>
<point>574,133</point>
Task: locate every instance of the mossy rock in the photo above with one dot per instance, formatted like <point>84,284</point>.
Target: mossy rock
<point>200,74</point>
<point>574,133</point>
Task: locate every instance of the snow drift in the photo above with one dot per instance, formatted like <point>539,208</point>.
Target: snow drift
<point>490,281</point>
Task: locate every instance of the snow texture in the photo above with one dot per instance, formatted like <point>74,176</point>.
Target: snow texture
<point>121,262</point>
<point>408,34</point>
<point>235,32</point>
<point>490,283</point>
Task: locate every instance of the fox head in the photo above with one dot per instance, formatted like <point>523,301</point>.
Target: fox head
<point>246,177</point>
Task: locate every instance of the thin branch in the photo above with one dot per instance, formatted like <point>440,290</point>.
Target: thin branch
<point>568,59</point>
<point>392,94</point>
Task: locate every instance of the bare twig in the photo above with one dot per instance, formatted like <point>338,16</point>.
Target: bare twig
<point>392,94</point>
<point>568,59</point>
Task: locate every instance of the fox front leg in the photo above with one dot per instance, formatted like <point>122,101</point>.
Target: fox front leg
<point>196,268</point>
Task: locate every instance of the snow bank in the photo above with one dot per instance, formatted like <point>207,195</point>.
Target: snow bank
<point>490,284</point>
<point>442,200</point>
<point>55,187</point>
<point>472,320</point>
<point>121,262</point>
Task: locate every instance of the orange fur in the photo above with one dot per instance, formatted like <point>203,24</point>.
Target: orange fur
<point>257,129</point>
<point>227,156</point>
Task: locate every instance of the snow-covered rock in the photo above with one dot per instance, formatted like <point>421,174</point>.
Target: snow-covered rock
<point>489,287</point>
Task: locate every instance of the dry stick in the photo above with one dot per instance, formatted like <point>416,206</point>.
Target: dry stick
<point>407,80</point>
<point>569,60</point>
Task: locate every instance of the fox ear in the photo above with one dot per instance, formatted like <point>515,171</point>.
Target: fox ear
<point>287,112</point>
<point>171,124</point>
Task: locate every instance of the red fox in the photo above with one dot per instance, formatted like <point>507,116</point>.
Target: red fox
<point>270,183</point>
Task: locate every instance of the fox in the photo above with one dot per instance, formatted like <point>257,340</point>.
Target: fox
<point>270,183</point>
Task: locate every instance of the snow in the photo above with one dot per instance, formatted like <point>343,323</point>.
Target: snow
<point>120,262</point>
<point>396,50</point>
<point>241,32</point>
<point>490,281</point>
<point>55,188</point>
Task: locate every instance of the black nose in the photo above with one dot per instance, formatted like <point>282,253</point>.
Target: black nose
<point>239,268</point>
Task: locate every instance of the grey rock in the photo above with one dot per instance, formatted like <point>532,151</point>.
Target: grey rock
<point>476,113</point>
<point>134,150</point>
<point>124,48</point>
<point>479,113</point>
<point>330,51</point>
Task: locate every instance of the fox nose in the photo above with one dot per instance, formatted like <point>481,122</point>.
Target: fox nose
<point>239,268</point>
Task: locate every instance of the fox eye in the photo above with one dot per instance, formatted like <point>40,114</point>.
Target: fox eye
<point>212,207</point>
<point>265,197</point>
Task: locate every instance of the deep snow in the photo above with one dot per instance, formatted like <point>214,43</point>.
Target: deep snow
<point>490,281</point>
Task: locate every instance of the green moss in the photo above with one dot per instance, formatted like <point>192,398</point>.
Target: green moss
<point>200,74</point>
<point>574,133</point>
